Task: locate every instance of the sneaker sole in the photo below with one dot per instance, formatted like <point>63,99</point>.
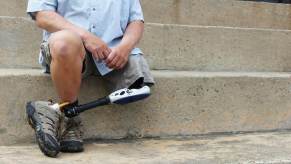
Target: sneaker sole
<point>71,146</point>
<point>49,150</point>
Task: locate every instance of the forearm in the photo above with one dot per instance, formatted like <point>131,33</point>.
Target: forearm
<point>132,35</point>
<point>52,22</point>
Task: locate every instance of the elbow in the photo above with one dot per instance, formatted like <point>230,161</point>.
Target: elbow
<point>39,24</point>
<point>39,20</point>
<point>43,19</point>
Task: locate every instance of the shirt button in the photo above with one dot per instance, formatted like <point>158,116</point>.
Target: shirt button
<point>94,9</point>
<point>93,26</point>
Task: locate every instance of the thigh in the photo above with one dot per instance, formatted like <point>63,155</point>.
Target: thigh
<point>45,60</point>
<point>136,70</point>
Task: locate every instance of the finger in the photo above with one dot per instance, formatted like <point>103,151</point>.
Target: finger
<point>110,57</point>
<point>95,55</point>
<point>112,64</point>
<point>100,55</point>
<point>105,53</point>
<point>119,62</point>
<point>108,51</point>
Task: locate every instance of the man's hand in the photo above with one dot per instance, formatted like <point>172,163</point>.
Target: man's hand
<point>96,46</point>
<point>118,57</point>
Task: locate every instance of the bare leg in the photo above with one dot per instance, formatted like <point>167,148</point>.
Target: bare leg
<point>68,53</point>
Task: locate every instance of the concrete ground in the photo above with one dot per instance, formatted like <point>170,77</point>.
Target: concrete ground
<point>273,147</point>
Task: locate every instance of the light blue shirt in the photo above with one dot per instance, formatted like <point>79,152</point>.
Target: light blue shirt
<point>107,19</point>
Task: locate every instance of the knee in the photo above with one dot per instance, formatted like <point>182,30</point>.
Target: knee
<point>66,44</point>
<point>60,49</point>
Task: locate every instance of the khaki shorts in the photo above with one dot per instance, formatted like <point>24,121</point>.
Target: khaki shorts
<point>136,72</point>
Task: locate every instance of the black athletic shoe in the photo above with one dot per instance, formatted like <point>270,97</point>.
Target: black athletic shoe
<point>46,123</point>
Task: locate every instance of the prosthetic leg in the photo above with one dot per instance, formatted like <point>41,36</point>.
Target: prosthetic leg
<point>122,96</point>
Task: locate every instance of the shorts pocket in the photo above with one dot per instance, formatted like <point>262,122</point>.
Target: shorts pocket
<point>45,52</point>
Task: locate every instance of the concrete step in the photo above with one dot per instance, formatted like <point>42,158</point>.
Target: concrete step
<point>19,43</point>
<point>174,47</point>
<point>242,148</point>
<point>211,48</point>
<point>182,104</point>
<point>232,13</point>
<point>15,8</point>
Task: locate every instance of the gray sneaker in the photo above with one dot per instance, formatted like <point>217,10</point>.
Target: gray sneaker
<point>71,139</point>
<point>46,123</point>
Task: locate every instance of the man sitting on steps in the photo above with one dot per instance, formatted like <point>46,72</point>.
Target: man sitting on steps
<point>81,38</point>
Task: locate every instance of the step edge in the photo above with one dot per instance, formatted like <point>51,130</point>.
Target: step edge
<point>183,26</point>
<point>163,73</point>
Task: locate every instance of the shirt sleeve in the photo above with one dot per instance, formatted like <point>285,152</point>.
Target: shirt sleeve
<point>135,11</point>
<point>34,6</point>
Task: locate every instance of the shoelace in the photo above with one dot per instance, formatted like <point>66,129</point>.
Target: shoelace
<point>72,134</point>
<point>50,124</point>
